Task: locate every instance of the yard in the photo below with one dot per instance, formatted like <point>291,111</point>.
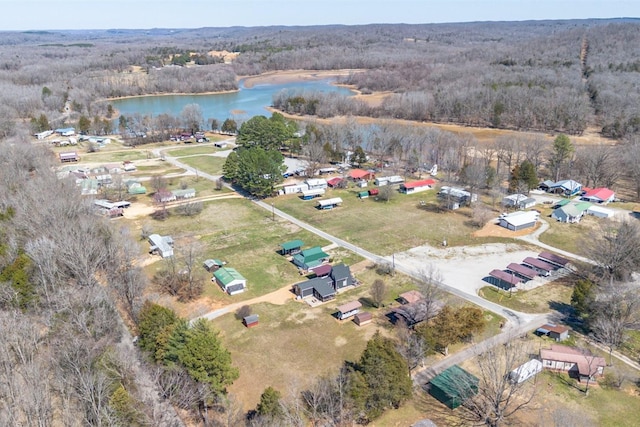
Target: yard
<point>550,296</point>
<point>192,151</point>
<point>208,164</point>
<point>386,227</point>
<point>570,237</point>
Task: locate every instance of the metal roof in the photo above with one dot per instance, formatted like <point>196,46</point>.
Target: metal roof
<point>324,289</point>
<point>553,258</point>
<point>538,263</point>
<point>329,202</point>
<point>522,270</point>
<point>505,277</point>
<point>291,244</point>
<point>350,306</point>
<point>415,184</point>
<point>226,275</point>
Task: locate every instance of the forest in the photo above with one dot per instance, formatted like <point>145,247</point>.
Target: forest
<point>69,292</point>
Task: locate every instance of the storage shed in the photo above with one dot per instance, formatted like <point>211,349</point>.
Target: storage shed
<point>349,309</point>
<point>453,386</point>
<point>600,212</point>
<point>363,194</point>
<point>363,318</point>
<point>230,280</point>
<point>250,321</point>
<point>556,332</point>
<point>504,280</point>
<point>519,220</point>
<point>291,247</point>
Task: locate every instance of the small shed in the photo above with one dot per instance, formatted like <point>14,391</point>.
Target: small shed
<point>291,247</point>
<point>453,386</point>
<point>363,194</point>
<point>556,332</point>
<point>374,192</point>
<point>349,309</point>
<point>212,265</point>
<point>363,318</point>
<point>334,182</point>
<point>525,371</point>
<point>250,321</point>
<point>410,297</point>
<point>230,280</point>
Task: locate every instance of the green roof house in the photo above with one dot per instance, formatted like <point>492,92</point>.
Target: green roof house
<point>571,213</point>
<point>453,386</point>
<point>310,258</point>
<point>230,280</point>
<point>291,247</point>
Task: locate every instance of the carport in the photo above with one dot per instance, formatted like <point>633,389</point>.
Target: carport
<point>504,278</point>
<point>526,272</point>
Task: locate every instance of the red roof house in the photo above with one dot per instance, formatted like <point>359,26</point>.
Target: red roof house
<point>599,195</point>
<point>358,174</point>
<point>415,186</point>
<point>333,182</point>
<point>573,360</point>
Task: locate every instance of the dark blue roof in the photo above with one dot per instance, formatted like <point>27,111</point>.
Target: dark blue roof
<point>324,289</point>
<point>340,272</point>
<point>311,283</point>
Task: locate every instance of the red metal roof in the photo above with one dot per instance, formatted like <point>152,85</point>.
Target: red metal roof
<point>553,258</point>
<point>322,270</point>
<point>334,181</point>
<point>555,328</point>
<point>506,277</point>
<point>359,173</point>
<point>522,270</point>
<point>423,183</point>
<point>599,193</point>
<point>538,263</point>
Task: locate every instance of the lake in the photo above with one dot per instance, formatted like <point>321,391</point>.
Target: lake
<point>240,105</point>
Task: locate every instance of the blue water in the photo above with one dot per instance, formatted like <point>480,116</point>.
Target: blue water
<point>240,105</point>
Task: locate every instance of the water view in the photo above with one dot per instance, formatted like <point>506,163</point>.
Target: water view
<point>240,105</point>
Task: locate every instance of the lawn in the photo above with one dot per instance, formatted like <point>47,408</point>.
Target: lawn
<point>570,237</point>
<point>244,235</point>
<point>386,227</point>
<point>550,296</point>
<point>191,151</point>
<point>115,156</point>
<point>209,164</point>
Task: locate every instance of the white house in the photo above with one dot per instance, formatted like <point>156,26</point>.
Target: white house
<point>519,201</point>
<point>416,186</point>
<point>162,245</point>
<point>599,195</point>
<point>314,183</point>
<point>388,180</point>
<point>296,188</point>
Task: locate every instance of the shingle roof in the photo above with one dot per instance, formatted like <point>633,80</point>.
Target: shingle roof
<point>350,306</point>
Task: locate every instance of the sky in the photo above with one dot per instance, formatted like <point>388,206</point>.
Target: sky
<point>143,14</point>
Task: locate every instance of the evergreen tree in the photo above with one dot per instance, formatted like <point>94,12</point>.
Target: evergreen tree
<point>269,405</point>
<point>582,297</point>
<point>269,134</point>
<point>359,157</point>
<point>255,169</point>
<point>229,126</point>
<point>154,319</point>
<point>84,124</point>
<point>561,152</point>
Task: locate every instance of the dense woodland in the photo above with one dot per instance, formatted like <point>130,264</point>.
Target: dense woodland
<point>68,285</point>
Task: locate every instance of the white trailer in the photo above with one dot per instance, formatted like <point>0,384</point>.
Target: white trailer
<point>523,372</point>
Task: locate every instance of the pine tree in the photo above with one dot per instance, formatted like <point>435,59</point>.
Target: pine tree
<point>269,405</point>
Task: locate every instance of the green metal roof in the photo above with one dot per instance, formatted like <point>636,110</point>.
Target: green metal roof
<point>563,202</point>
<point>226,275</point>
<point>291,244</point>
<point>583,206</point>
<point>454,380</point>
<point>313,254</point>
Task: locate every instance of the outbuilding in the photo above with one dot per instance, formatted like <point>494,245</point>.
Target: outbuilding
<point>556,332</point>
<point>70,156</point>
<point>162,245</point>
<point>504,280</point>
<point>523,271</point>
<point>554,259</point>
<point>311,194</point>
<point>363,318</point>
<point>329,203</point>
<point>250,321</point>
<point>230,280</point>
<point>212,265</point>
<point>525,371</point>
<point>291,247</point>
<point>348,310</point>
<point>295,188</point>
<point>519,220</point>
<point>453,386</point>
<point>600,212</point>
<point>518,201</point>
<point>363,195</point>
<point>187,193</point>
<point>388,180</point>
<point>542,267</point>
<point>360,174</point>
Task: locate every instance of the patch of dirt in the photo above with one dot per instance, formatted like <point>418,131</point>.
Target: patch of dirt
<point>340,341</point>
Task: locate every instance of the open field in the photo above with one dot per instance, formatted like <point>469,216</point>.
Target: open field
<point>549,296</point>
<point>571,237</point>
<point>193,150</point>
<point>209,164</point>
<point>386,227</point>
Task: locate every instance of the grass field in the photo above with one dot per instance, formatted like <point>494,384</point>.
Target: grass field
<point>386,227</point>
<point>570,237</point>
<point>209,164</point>
<point>539,300</point>
<point>191,151</point>
<point>245,236</point>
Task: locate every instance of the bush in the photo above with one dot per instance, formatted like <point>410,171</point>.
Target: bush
<point>384,269</point>
<point>612,380</point>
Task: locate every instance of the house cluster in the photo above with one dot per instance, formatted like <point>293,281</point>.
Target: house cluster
<point>91,180</point>
<point>530,268</point>
<point>188,137</point>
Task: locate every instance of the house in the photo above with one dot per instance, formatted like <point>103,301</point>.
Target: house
<point>212,264</point>
<point>291,247</point>
<point>415,312</point>
<point>546,185</point>
<point>554,259</point>
<point>43,135</point>
<point>576,362</point>
<point>250,321</point>
<point>410,297</point>
<point>187,193</point>
<point>327,171</point>
<point>360,174</point>
<point>310,194</point>
<point>135,187</point>
<point>453,386</point>
<point>230,280</point>
<point>518,201</point>
<point>316,183</point>
<point>566,187</point>
<point>104,179</point>
<point>310,258</point>
<point>318,287</point>
<point>128,166</point>
<point>525,371</point>
<point>557,332</point>
<point>571,213</point>
<point>599,195</point>
<point>65,131</point>
<point>416,186</point>
<point>519,220</point>
<point>388,180</point>
<point>329,203</point>
<point>334,182</point>
<point>341,276</point>
<point>456,197</point>
<point>70,156</point>
<point>600,212</point>
<point>363,318</point>
<point>162,245</point>
<point>164,196</point>
<point>348,310</point>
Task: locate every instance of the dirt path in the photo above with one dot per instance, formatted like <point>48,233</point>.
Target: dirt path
<point>139,210</point>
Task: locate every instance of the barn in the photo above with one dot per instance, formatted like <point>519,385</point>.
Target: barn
<point>453,386</point>
<point>230,280</point>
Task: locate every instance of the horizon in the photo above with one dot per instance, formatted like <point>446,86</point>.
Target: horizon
<point>87,15</point>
